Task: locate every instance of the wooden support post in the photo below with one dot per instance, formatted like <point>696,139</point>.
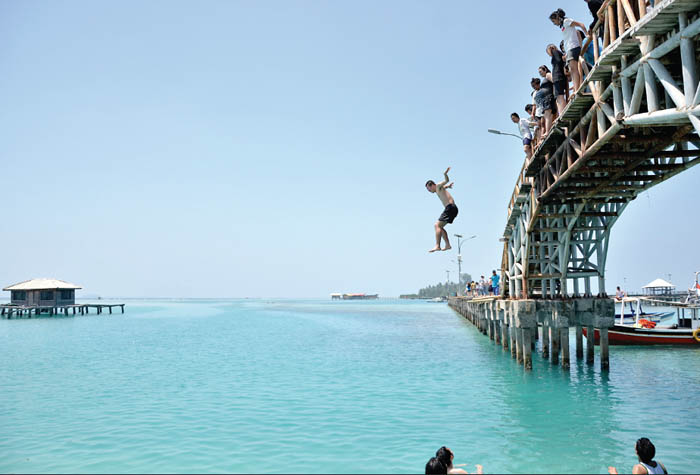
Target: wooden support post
<point>533,338</point>
<point>545,340</point>
<point>122,306</point>
<point>620,19</point>
<point>604,354</point>
<point>497,332</point>
<point>565,360</point>
<point>110,309</point>
<point>590,342</point>
<point>527,349</point>
<point>505,335</point>
<point>579,342</point>
<point>611,24</point>
<point>513,344</point>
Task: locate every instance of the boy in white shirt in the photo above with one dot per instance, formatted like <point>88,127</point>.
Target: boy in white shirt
<point>525,132</point>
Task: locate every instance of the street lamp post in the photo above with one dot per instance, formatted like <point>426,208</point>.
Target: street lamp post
<point>498,132</point>
<point>459,258</point>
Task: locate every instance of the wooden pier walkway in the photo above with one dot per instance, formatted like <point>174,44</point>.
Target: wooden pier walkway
<point>26,311</point>
<point>632,124</point>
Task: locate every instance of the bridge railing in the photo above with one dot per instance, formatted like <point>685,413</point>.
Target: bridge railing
<point>522,180</point>
<point>616,17</point>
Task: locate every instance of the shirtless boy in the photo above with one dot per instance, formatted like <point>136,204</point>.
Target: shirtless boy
<point>448,215</point>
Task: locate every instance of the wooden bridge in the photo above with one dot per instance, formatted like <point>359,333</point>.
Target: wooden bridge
<point>632,124</point>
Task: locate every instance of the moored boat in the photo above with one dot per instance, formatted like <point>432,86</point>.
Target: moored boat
<point>643,331</point>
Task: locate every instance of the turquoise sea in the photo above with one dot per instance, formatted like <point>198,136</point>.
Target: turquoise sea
<point>323,386</point>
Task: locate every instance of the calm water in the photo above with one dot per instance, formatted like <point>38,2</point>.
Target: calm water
<point>321,386</point>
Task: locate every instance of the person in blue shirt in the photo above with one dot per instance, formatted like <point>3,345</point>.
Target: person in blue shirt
<point>494,283</point>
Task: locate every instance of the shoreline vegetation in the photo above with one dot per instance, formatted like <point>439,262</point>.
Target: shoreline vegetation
<point>439,290</point>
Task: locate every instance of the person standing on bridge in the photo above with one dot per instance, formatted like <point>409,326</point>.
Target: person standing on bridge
<point>449,213</point>
<point>495,280</point>
<point>558,77</point>
<point>572,43</point>
<point>525,132</point>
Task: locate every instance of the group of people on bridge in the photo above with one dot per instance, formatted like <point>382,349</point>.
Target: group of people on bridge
<point>551,91</point>
<point>484,287</point>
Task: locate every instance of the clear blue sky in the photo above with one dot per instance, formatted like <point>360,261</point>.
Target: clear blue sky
<point>278,148</point>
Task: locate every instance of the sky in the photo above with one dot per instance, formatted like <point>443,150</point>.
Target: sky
<point>280,148</point>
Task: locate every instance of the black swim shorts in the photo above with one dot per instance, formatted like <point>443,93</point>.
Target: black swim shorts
<point>560,87</point>
<point>449,214</point>
<point>573,54</point>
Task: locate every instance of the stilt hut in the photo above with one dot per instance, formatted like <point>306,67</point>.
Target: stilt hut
<point>43,293</point>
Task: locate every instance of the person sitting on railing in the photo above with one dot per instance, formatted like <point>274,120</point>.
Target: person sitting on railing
<point>572,43</point>
<point>547,84</point>
<point>525,132</point>
<point>558,77</point>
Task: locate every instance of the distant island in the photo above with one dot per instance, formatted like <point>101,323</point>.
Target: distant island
<point>439,290</point>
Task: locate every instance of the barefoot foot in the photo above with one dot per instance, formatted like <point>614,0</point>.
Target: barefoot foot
<point>436,248</point>
<point>447,248</point>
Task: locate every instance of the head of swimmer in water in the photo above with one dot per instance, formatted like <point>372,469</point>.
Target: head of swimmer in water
<point>445,455</point>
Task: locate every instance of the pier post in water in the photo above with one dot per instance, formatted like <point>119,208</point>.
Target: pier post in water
<point>519,344</point>
<point>590,341</point>
<point>545,339</point>
<point>565,348</point>
<point>579,342</point>
<point>501,306</point>
<point>604,355</point>
<point>524,320</point>
<point>554,336</point>
<point>527,348</point>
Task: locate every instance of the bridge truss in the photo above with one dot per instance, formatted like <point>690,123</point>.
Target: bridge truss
<point>632,125</point>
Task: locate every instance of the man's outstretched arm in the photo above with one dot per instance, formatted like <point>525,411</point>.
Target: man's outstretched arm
<point>446,180</point>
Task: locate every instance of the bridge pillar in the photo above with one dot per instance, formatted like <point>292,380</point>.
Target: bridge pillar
<point>500,308</point>
<point>511,325</point>
<point>562,314</point>
<point>596,313</point>
<point>524,320</point>
<point>564,335</point>
<point>590,339</point>
<point>519,344</point>
<point>545,339</point>
<point>527,349</point>
<point>579,342</point>
<point>554,336</point>
<point>604,356</point>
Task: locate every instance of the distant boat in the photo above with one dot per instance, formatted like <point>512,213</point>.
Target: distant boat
<point>437,299</point>
<point>360,296</point>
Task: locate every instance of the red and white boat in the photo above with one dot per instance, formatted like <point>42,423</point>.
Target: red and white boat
<point>646,332</point>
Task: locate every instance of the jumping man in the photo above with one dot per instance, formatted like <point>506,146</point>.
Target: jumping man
<point>448,215</point>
